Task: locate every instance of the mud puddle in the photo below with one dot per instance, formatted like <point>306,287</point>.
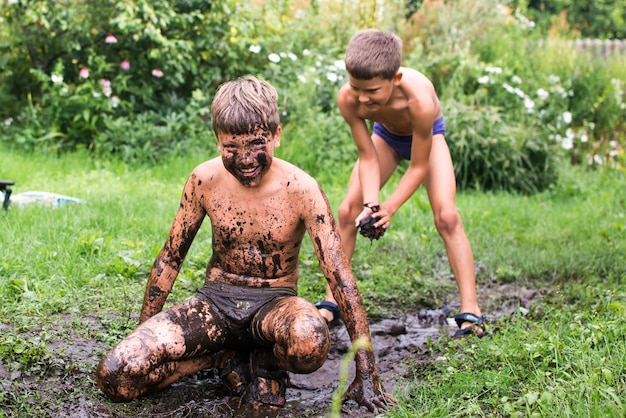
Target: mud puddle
<point>67,389</point>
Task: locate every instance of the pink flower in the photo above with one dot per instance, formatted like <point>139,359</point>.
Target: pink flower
<point>110,39</point>
<point>106,87</point>
<point>125,65</point>
<point>84,73</point>
<point>157,73</point>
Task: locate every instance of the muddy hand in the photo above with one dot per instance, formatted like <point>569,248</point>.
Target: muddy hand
<point>366,213</point>
<point>372,395</point>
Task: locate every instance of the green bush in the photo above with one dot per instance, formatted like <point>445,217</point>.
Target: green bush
<point>491,154</point>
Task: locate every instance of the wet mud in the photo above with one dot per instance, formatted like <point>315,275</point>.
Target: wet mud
<point>67,388</point>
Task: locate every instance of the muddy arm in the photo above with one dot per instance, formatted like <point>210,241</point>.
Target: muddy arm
<point>367,388</point>
<point>170,259</point>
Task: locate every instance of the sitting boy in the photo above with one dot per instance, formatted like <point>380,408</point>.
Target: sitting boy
<point>247,320</point>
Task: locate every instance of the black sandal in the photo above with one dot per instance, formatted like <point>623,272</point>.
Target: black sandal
<point>332,308</point>
<point>477,324</point>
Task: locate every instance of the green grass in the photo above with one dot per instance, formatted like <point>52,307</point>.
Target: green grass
<point>566,357</point>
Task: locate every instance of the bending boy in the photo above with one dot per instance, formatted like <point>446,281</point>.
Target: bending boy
<point>247,320</point>
<point>408,125</point>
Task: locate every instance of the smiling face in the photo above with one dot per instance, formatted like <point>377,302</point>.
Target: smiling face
<point>373,93</point>
<point>248,157</point>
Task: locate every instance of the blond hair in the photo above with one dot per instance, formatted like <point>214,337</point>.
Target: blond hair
<point>244,106</point>
<point>373,53</point>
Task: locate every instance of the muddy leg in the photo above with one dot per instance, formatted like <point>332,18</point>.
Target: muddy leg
<point>299,336</point>
<point>165,348</point>
<point>297,340</point>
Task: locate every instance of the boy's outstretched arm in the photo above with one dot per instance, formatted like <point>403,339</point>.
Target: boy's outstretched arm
<point>369,169</point>
<point>367,388</point>
<point>170,259</point>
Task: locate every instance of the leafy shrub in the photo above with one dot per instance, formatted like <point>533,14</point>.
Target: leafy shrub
<point>490,154</point>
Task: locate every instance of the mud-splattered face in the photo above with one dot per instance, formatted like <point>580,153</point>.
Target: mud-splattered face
<point>248,157</point>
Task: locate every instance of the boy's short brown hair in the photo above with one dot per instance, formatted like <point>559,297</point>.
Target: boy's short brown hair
<point>244,106</point>
<point>373,53</point>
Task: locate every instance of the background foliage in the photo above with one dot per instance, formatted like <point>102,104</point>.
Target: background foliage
<point>133,81</point>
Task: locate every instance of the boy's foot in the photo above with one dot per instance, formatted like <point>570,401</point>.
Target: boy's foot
<point>332,308</point>
<point>236,374</point>
<point>470,323</point>
<point>267,391</point>
<point>268,387</point>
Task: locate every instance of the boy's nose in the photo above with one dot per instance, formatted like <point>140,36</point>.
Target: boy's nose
<point>246,157</point>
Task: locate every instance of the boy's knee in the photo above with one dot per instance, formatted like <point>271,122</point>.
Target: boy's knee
<point>111,380</point>
<point>310,350</point>
<point>346,213</point>
<point>447,220</point>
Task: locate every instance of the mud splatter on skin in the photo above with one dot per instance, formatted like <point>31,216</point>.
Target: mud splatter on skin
<point>250,162</point>
<point>300,337</point>
<point>154,293</point>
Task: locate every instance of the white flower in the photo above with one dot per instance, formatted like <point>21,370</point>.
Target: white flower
<point>115,101</point>
<point>332,77</point>
<point>567,143</point>
<point>273,57</point>
<point>483,80</point>
<point>56,78</point>
<point>584,137</point>
<point>543,95</point>
<point>529,104</point>
<point>596,160</point>
<point>8,122</point>
<point>519,92</point>
<point>292,56</point>
<point>493,70</point>
<point>567,117</point>
<point>516,79</point>
<point>306,52</point>
<point>340,65</point>
<point>255,49</point>
<point>554,78</point>
<point>302,78</point>
<point>508,88</point>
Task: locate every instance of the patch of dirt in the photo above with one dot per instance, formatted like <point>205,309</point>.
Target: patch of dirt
<point>67,388</point>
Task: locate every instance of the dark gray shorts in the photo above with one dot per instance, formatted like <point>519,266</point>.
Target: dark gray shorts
<point>239,304</point>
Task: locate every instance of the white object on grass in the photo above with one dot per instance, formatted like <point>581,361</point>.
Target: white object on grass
<point>50,199</point>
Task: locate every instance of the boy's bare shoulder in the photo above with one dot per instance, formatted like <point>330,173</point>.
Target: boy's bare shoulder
<point>292,174</point>
<point>208,171</point>
<point>422,99</point>
<point>416,83</point>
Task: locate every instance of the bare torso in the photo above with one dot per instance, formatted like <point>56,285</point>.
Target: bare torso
<point>257,232</point>
<point>414,96</point>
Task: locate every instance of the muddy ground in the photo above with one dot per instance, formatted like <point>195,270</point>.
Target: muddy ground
<point>67,389</point>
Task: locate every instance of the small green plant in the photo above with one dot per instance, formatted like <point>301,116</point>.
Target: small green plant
<point>348,359</point>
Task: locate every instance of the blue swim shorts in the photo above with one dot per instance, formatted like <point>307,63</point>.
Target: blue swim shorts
<point>402,143</point>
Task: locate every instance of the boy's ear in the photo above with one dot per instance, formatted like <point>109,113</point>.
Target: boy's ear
<point>277,136</point>
<point>397,78</point>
